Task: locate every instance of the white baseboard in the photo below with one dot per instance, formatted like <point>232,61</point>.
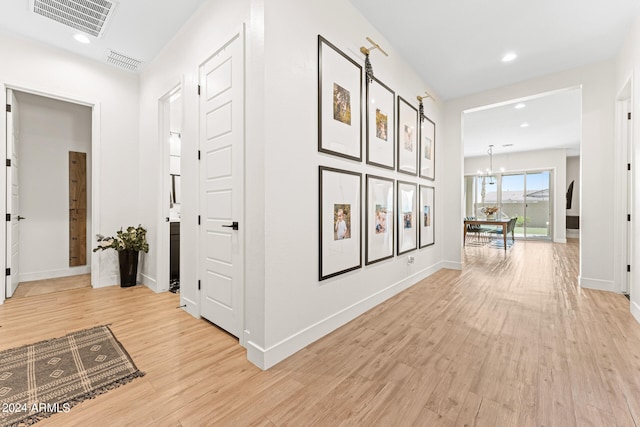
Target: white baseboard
<point>451,265</point>
<point>54,274</point>
<point>597,284</point>
<point>149,282</point>
<point>573,234</point>
<point>635,311</point>
<point>190,306</point>
<point>560,240</point>
<point>265,358</point>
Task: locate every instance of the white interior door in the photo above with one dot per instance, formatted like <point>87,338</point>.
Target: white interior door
<point>13,193</point>
<point>221,186</point>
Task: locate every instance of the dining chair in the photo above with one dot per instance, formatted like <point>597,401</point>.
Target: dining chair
<point>480,232</point>
<point>510,228</point>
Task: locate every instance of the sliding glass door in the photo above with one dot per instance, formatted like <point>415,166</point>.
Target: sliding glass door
<point>525,196</point>
<point>513,189</point>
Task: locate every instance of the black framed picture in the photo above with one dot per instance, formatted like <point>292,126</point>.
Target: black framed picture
<point>427,216</point>
<point>428,149</point>
<point>381,125</point>
<point>339,102</point>
<point>379,222</point>
<point>340,221</point>
<point>407,141</point>
<point>407,217</point>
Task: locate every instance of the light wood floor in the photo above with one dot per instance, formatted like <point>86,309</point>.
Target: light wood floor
<point>509,341</point>
<point>48,286</point>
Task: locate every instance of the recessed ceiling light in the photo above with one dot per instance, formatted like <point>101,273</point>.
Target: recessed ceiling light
<point>520,106</point>
<point>524,125</point>
<point>82,38</point>
<point>509,57</point>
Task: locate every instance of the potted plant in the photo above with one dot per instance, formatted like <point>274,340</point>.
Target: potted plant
<point>128,243</point>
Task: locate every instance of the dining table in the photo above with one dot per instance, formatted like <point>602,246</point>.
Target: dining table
<point>499,222</point>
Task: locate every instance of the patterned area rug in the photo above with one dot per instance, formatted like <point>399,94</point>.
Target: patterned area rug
<point>44,378</point>
<point>499,243</point>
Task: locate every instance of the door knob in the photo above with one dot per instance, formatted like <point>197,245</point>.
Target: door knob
<point>233,225</point>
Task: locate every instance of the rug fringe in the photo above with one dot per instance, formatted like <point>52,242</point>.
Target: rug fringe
<point>105,388</point>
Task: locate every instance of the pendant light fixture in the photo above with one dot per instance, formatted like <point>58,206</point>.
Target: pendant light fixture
<point>489,172</point>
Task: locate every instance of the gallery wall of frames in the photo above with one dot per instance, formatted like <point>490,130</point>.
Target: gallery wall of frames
<point>398,213</point>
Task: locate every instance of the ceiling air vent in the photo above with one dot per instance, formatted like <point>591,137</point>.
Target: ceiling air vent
<point>88,16</point>
<point>123,61</point>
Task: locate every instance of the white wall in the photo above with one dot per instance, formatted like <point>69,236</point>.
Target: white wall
<point>529,161</point>
<point>282,314</point>
<point>299,308</point>
<point>31,66</point>
<point>598,96</point>
<point>49,129</point>
<point>628,69</point>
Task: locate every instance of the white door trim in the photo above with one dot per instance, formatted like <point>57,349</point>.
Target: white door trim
<point>622,193</point>
<point>163,250</point>
<point>95,164</point>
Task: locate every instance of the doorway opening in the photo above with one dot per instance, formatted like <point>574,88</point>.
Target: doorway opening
<point>535,149</point>
<point>49,201</point>
<point>170,106</point>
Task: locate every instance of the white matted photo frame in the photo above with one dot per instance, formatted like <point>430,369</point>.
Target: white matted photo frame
<point>427,216</point>
<point>340,221</point>
<point>339,102</point>
<point>381,125</point>
<point>407,214</point>
<point>428,149</point>
<point>407,141</point>
<point>379,223</point>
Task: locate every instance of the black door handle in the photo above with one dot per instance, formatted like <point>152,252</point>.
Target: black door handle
<point>21,217</point>
<point>234,225</point>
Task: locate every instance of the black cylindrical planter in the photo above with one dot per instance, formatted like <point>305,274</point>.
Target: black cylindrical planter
<point>128,267</point>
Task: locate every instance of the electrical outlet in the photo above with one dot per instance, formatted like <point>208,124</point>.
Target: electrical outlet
<point>410,259</point>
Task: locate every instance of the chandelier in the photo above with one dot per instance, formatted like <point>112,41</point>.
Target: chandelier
<point>489,172</point>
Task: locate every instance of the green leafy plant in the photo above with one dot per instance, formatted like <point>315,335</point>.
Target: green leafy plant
<point>133,238</point>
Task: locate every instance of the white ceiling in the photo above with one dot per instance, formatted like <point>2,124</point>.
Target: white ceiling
<point>138,28</point>
<point>457,46</point>
<point>554,121</point>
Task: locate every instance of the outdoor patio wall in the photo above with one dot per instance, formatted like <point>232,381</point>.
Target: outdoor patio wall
<point>529,161</point>
<point>299,308</point>
<point>33,66</point>
<point>598,95</point>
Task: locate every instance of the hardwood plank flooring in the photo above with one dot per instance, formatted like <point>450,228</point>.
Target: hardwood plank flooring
<point>510,340</point>
<point>48,286</point>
